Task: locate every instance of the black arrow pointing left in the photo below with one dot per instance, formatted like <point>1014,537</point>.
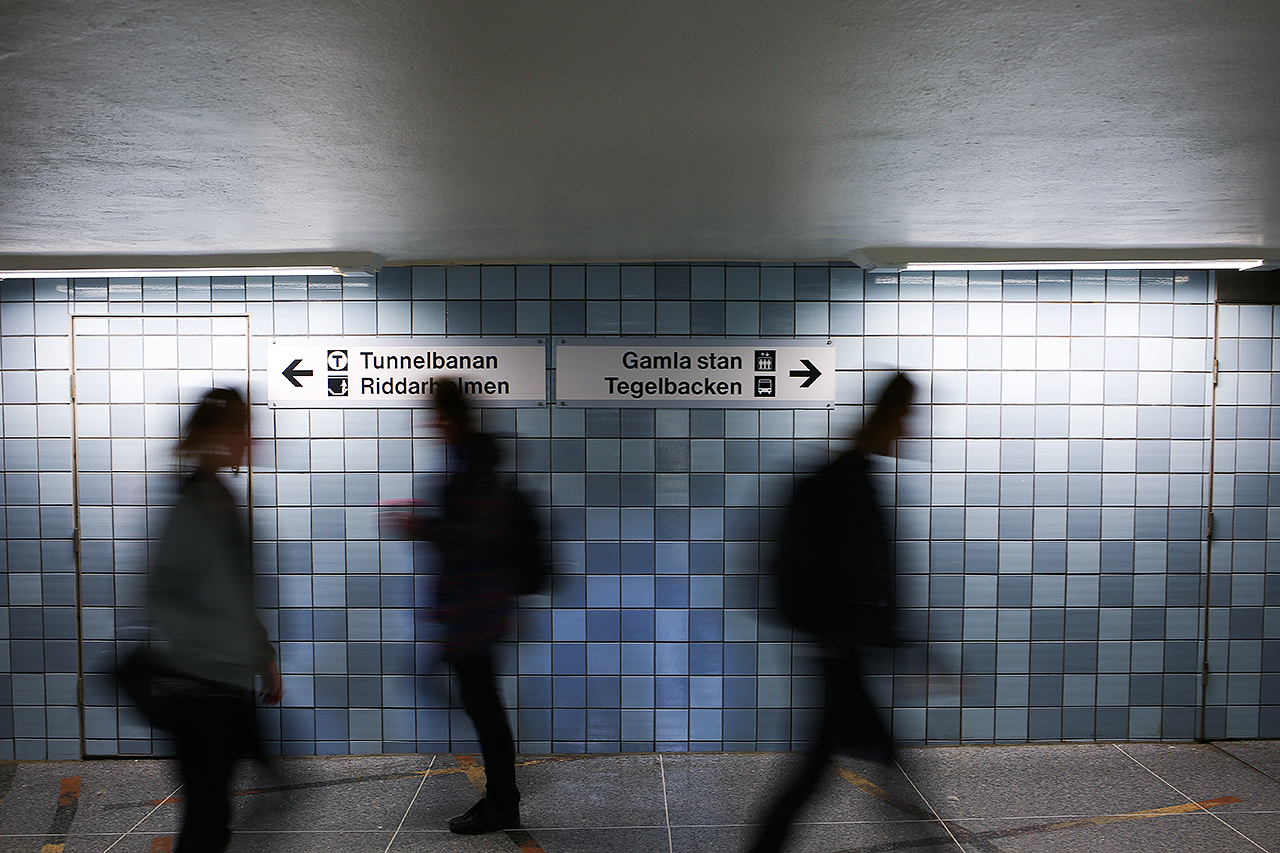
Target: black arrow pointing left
<point>811,374</point>
<point>292,373</point>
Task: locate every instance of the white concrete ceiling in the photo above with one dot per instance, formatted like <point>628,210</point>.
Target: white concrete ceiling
<point>565,130</point>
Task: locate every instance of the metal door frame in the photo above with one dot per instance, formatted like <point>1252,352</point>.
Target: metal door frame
<point>1252,289</point>
<point>75,467</point>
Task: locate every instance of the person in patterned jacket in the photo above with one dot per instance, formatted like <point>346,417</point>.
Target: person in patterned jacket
<point>475,595</point>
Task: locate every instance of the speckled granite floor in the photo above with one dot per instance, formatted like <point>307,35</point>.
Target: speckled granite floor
<point>1079,797</point>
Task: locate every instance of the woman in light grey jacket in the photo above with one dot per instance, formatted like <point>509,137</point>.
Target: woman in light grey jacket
<point>204,627</point>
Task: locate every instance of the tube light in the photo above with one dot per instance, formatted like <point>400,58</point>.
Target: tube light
<point>173,272</point>
<point>943,266</point>
<point>894,259</point>
<point>170,266</point>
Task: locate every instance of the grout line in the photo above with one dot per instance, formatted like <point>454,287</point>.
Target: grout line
<point>666,810</point>
<point>428,831</point>
<point>929,806</point>
<point>1182,794</point>
<point>1217,747</point>
<point>143,819</point>
<point>408,809</point>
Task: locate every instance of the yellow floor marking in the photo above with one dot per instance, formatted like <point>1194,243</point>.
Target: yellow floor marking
<point>475,773</point>
<point>881,794</point>
<point>859,782</point>
<point>970,836</point>
<point>1100,820</point>
<point>524,841</point>
<point>68,799</point>
<point>69,791</point>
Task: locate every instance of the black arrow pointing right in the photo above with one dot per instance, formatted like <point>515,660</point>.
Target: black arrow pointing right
<point>292,373</point>
<point>812,373</point>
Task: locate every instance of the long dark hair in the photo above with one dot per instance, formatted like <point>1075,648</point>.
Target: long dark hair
<point>218,409</point>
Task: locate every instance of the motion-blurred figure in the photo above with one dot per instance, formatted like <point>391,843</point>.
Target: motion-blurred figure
<point>474,530</point>
<point>835,580</point>
<point>205,633</point>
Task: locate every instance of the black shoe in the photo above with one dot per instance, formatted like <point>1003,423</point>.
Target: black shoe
<point>483,817</point>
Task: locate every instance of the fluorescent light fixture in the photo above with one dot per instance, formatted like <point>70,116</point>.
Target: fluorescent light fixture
<point>942,266</point>
<point>940,259</point>
<point>169,272</point>
<point>338,263</point>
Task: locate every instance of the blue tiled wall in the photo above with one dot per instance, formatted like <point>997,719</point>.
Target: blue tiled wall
<point>1051,507</point>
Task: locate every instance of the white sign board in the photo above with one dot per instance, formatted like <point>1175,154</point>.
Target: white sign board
<point>397,372</point>
<point>695,373</point>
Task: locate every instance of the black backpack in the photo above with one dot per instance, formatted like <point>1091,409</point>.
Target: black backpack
<point>832,568</point>
<point>530,553</point>
<point>796,579</point>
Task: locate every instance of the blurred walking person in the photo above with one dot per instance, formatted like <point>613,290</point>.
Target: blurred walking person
<point>834,571</point>
<point>475,528</point>
<point>207,640</point>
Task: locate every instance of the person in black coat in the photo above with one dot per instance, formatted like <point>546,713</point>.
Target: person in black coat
<point>834,570</point>
<point>475,596</point>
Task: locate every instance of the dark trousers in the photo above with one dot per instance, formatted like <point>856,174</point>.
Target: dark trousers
<point>480,698</point>
<point>850,724</point>
<point>212,733</point>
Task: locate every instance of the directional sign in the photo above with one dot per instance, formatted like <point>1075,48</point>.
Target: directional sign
<point>695,372</point>
<point>397,372</point>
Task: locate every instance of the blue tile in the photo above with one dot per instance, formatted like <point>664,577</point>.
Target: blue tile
<point>567,281</point>
<point>638,281</point>
<point>605,625</point>
<point>778,323</point>
<point>20,290</point>
<point>742,281</point>
<point>673,281</point>
<point>814,283</point>
<point>778,283</point>
<point>497,282</point>
<point>673,318</point>
<point>497,318</point>
<point>603,317</point>
<point>742,318</point>
<point>671,626</point>
<point>1019,285</point>
<point>603,281</point>
<point>568,318</point>
<point>707,318</point>
<point>639,317</point>
<point>707,282</point>
<point>568,658</point>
